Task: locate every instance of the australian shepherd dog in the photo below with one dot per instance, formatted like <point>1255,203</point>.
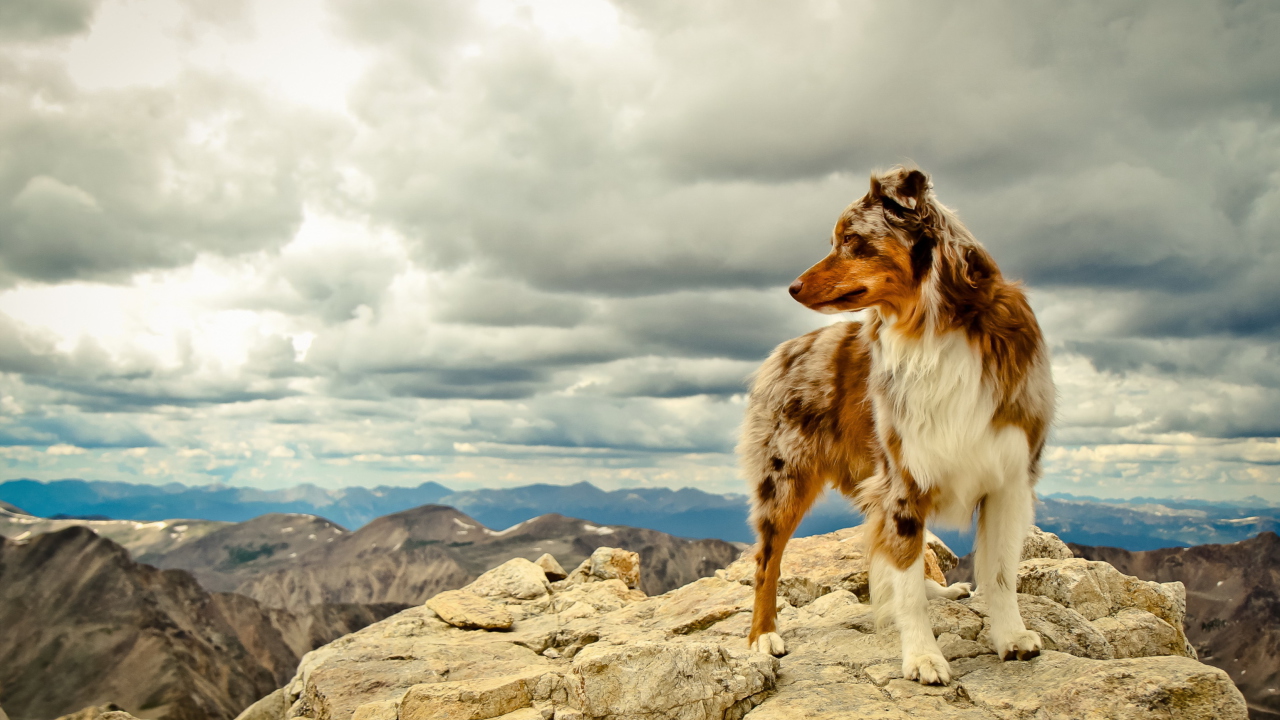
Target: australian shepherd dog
<point>932,408</point>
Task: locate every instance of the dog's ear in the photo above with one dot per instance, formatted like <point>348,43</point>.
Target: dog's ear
<point>902,187</point>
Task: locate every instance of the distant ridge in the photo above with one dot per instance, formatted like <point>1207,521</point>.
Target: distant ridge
<point>1136,524</point>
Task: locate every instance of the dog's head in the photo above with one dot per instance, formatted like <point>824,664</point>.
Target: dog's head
<point>881,249</point>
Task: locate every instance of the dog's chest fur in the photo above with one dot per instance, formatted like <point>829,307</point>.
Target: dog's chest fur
<point>931,392</point>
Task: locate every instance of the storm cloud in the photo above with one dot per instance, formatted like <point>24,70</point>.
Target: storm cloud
<point>491,243</point>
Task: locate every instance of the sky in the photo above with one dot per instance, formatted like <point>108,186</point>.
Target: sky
<point>493,243</point>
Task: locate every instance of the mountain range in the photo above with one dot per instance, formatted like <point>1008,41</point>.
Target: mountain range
<point>1136,524</point>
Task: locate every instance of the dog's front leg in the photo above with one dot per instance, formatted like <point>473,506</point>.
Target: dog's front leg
<point>1003,521</point>
<point>899,592</point>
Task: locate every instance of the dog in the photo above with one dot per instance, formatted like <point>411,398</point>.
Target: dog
<point>935,406</point>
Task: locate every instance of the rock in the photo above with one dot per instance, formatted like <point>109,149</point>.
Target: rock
<point>1061,628</point>
<point>516,578</point>
<point>945,557</point>
<point>1041,544</point>
<point>471,699</point>
<point>3,716</point>
<point>1097,590</point>
<point>272,706</point>
<point>469,611</point>
<point>609,564</point>
<point>551,567</point>
<point>687,680</point>
<point>591,648</point>
<point>814,566</point>
<point>110,711</point>
<point>1137,633</point>
<point>1058,686</point>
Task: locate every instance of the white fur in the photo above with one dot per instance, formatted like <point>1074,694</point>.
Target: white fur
<point>933,393</point>
<point>901,593</point>
<point>936,399</point>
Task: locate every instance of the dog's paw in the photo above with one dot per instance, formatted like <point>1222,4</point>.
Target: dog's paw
<point>1023,645</point>
<point>957,591</point>
<point>928,668</point>
<point>770,644</point>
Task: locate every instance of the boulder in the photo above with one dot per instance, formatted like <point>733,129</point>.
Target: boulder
<point>515,578</point>
<point>469,611</point>
<point>550,567</point>
<point>1097,590</point>
<point>1041,544</point>
<point>643,680</point>
<point>592,648</point>
<point>608,563</point>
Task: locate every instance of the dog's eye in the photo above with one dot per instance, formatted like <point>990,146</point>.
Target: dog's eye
<point>859,246</point>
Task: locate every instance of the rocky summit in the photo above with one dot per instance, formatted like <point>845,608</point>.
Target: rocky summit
<point>517,646</point>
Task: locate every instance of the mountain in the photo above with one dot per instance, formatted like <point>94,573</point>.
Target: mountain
<point>1147,524</point>
<point>1136,524</point>
<point>224,558</point>
<point>84,624</point>
<point>409,556</point>
<point>349,507</point>
<point>8,509</point>
<point>139,538</point>
<point>1233,607</point>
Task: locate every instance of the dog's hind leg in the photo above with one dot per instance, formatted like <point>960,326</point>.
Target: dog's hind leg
<point>954,591</point>
<point>783,496</point>
<point>1003,520</point>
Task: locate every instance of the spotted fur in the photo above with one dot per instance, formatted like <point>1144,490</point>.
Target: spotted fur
<point>934,408</point>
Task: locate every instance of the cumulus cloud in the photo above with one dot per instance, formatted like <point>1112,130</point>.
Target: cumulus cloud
<point>504,242</point>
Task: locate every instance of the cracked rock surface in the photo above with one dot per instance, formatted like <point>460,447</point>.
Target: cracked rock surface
<point>591,647</point>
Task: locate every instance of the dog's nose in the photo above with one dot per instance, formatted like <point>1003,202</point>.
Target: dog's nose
<point>795,287</point>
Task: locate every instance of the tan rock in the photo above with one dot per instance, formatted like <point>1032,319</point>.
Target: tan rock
<point>668,680</point>
<point>552,568</point>
<point>3,716</point>
<point>109,711</point>
<point>1060,686</point>
<point>1041,544</point>
<point>464,609</point>
<point>1172,688</point>
<point>268,708</point>
<point>1096,590</point>
<point>1061,628</point>
<point>814,566</point>
<point>381,710</point>
<point>594,649</point>
<point>515,578</point>
<point>943,554</point>
<point>608,563</point>
<point>479,699</point>
<point>1137,633</point>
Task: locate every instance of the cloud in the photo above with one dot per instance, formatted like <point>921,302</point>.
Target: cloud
<point>495,243</point>
<point>27,20</point>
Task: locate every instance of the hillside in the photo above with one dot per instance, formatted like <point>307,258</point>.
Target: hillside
<point>1233,606</point>
<point>84,624</point>
<point>409,556</point>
